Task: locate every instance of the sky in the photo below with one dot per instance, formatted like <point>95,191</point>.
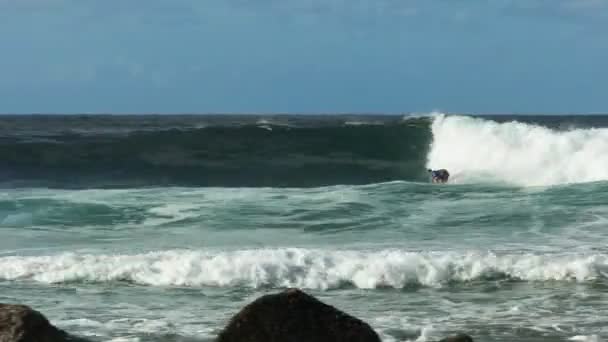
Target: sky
<point>303,56</point>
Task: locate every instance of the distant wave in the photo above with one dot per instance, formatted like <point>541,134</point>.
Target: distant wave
<point>305,268</point>
<point>269,153</point>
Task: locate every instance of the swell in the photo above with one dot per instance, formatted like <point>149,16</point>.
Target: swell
<point>299,151</point>
<point>395,205</point>
<point>263,154</point>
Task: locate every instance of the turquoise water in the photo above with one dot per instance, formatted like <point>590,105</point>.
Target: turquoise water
<point>417,261</point>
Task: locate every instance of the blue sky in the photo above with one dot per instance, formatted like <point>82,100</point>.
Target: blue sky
<point>303,56</point>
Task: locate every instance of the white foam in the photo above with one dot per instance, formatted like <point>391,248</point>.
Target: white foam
<point>298,267</point>
<point>517,153</point>
<point>425,334</point>
<point>125,326</point>
<point>171,212</point>
<point>583,338</point>
<point>125,339</point>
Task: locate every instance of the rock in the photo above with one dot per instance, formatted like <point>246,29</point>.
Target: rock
<point>20,323</point>
<point>294,316</point>
<point>458,338</point>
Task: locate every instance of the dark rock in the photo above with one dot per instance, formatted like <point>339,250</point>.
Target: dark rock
<point>458,338</point>
<point>20,323</point>
<point>294,316</point>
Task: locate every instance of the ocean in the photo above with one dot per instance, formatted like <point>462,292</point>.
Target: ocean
<point>161,227</point>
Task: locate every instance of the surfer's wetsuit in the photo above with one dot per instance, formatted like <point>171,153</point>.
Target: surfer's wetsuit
<point>440,176</point>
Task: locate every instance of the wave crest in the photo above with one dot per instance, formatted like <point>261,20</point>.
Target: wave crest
<point>474,149</point>
<point>304,268</point>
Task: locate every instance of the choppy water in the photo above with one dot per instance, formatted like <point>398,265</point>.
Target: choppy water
<point>513,249</point>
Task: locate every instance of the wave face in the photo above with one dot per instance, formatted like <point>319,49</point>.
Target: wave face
<point>474,149</point>
<point>305,268</point>
<point>211,151</point>
<point>298,151</point>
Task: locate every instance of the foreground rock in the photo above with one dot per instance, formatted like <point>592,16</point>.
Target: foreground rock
<point>20,323</point>
<point>458,338</point>
<point>294,316</point>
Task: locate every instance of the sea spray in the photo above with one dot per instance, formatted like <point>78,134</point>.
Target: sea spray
<point>305,268</point>
<point>478,150</point>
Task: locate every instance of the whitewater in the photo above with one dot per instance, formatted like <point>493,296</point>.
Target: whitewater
<point>307,269</point>
<point>190,219</point>
<point>518,153</point>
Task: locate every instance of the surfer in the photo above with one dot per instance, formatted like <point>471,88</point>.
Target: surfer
<point>439,176</point>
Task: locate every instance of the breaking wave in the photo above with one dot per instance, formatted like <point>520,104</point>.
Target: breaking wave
<point>304,268</point>
<point>475,150</point>
<point>300,151</point>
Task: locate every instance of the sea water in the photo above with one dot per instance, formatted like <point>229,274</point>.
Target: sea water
<point>156,228</point>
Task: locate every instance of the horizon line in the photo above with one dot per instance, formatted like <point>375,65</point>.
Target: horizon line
<point>299,113</point>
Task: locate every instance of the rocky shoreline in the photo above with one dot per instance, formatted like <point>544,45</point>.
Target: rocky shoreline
<point>287,316</point>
